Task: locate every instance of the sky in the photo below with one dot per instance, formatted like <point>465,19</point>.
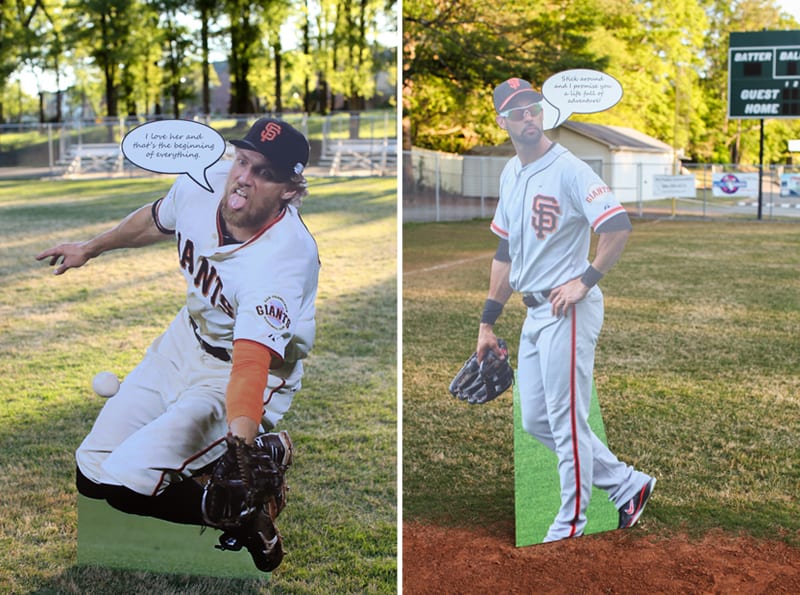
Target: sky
<point>792,7</point>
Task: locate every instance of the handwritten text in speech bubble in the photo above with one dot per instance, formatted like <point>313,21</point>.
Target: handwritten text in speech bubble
<point>578,91</point>
<point>175,147</point>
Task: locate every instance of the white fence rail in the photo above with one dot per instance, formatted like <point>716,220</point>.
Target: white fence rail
<point>342,143</point>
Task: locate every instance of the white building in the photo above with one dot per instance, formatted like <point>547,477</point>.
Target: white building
<point>625,158</point>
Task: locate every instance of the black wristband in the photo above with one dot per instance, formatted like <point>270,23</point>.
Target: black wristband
<point>491,312</point>
<point>591,277</point>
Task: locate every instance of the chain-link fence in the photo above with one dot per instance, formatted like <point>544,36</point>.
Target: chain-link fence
<point>341,144</point>
<point>442,186</point>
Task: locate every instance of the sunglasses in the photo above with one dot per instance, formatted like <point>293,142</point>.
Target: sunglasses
<point>517,114</point>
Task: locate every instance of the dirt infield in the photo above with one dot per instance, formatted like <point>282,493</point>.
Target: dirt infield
<point>485,560</point>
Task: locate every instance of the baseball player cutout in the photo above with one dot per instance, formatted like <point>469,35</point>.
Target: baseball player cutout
<point>550,201</point>
<point>231,360</point>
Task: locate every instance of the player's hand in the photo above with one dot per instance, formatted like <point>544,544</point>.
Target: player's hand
<point>565,296</point>
<point>487,341</point>
<point>66,256</point>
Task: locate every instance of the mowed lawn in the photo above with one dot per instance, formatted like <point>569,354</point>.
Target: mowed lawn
<point>339,525</point>
<point>697,372</point>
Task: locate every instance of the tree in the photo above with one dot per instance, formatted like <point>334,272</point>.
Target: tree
<point>456,52</point>
<point>207,11</point>
<point>104,27</point>
<point>245,45</point>
<point>9,30</point>
<point>176,46</point>
<point>737,141</point>
<point>146,52</point>
<point>655,50</point>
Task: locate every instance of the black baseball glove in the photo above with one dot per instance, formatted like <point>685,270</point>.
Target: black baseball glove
<point>244,480</point>
<point>478,383</point>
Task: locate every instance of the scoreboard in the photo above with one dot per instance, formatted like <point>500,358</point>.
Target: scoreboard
<point>764,75</point>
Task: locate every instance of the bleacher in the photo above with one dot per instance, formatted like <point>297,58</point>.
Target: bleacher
<point>94,158</point>
<point>377,156</point>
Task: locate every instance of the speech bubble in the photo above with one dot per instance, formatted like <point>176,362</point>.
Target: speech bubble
<point>175,147</point>
<point>578,91</point>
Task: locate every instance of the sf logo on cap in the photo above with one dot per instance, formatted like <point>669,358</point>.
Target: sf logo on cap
<point>270,132</point>
<point>513,83</point>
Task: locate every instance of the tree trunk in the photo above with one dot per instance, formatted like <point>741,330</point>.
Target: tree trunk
<point>204,18</point>
<point>278,50</point>
<point>307,105</point>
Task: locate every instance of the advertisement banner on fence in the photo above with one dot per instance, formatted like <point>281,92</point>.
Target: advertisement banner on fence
<point>790,184</point>
<point>674,187</point>
<point>735,185</point>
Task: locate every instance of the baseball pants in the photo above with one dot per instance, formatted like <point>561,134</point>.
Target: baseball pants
<point>555,367</point>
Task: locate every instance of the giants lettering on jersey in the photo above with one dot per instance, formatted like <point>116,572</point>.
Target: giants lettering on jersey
<point>596,191</point>
<point>205,278</point>
<point>274,312</point>
<point>545,215</point>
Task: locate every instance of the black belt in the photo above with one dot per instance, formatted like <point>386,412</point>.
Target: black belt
<point>535,299</point>
<point>218,352</point>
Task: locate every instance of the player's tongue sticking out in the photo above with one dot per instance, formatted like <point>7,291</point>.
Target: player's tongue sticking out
<point>237,199</point>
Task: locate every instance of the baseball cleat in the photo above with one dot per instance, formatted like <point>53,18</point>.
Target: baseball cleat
<point>261,539</point>
<point>630,513</point>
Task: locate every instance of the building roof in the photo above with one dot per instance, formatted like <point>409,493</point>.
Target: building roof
<point>618,138</point>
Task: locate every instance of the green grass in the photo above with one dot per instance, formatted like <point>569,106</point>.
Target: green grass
<point>697,374</point>
<point>339,526</point>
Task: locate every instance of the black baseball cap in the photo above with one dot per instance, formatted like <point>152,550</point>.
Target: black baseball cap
<point>285,146</point>
<point>507,90</point>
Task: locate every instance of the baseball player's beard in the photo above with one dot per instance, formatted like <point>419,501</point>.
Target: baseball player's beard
<point>529,136</point>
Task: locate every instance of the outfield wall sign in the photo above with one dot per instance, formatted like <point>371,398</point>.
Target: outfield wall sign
<point>764,75</point>
<point>674,187</point>
<point>735,184</point>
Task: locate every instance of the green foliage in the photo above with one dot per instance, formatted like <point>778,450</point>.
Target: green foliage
<point>669,55</point>
<point>146,53</point>
<point>696,374</point>
<point>455,54</point>
<point>339,525</point>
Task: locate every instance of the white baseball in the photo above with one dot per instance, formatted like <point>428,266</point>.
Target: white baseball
<point>105,384</point>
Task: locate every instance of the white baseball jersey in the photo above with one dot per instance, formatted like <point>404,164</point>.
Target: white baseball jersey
<point>168,418</point>
<point>262,290</point>
<point>546,210</point>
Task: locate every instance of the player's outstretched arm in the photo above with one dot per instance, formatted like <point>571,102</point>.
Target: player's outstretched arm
<point>137,229</point>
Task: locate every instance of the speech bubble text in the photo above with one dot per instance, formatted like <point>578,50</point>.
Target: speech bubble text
<point>175,147</point>
<point>578,91</point>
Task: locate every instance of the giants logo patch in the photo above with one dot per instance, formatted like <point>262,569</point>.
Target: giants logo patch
<point>274,312</point>
<point>545,215</point>
<point>270,132</point>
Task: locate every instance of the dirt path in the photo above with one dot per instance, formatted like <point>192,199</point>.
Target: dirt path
<point>443,560</point>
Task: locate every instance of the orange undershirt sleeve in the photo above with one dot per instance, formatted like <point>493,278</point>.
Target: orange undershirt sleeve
<point>245,393</point>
